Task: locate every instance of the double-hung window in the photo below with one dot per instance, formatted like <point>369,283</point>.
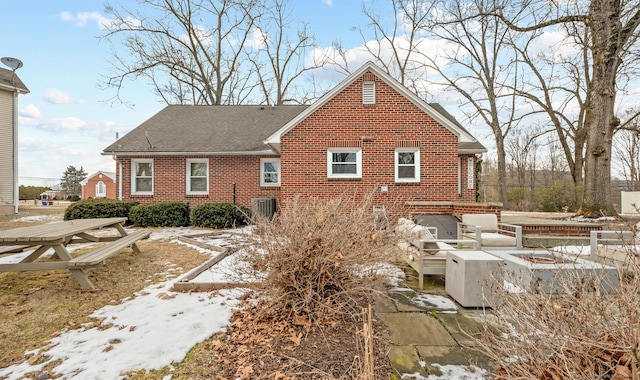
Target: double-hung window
<point>101,190</point>
<point>142,176</point>
<point>344,163</point>
<point>269,172</point>
<point>198,176</point>
<point>407,163</point>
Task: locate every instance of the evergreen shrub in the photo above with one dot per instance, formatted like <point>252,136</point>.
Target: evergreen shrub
<point>220,215</point>
<point>98,208</point>
<point>160,214</point>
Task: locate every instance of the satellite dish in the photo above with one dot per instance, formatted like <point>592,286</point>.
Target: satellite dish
<point>13,63</point>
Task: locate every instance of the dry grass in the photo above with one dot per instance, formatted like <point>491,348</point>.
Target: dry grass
<point>579,334</point>
<point>36,306</point>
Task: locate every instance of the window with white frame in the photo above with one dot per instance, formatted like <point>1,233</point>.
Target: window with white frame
<point>198,176</point>
<point>142,176</point>
<point>269,172</point>
<point>368,92</point>
<point>407,163</point>
<point>344,163</point>
<point>101,190</point>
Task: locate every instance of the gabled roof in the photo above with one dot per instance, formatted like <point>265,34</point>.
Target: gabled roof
<point>445,119</point>
<point>208,130</point>
<point>11,82</point>
<point>110,175</point>
<point>192,130</point>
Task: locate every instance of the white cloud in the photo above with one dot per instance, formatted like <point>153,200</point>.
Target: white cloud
<point>258,39</point>
<point>30,111</point>
<point>55,96</point>
<point>81,19</point>
<point>199,33</point>
<point>328,2</point>
<point>64,124</point>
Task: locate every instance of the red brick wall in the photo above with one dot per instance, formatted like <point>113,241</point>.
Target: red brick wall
<point>391,122</point>
<point>378,129</point>
<point>169,175</point>
<point>89,190</point>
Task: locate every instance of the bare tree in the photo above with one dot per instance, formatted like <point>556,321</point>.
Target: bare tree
<point>522,150</point>
<point>394,41</point>
<point>279,60</point>
<point>612,30</point>
<point>558,84</point>
<point>627,150</point>
<point>189,50</point>
<point>478,63</point>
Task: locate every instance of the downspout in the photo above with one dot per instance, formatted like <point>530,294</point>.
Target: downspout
<point>119,179</point>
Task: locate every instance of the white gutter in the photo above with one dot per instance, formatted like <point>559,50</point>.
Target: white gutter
<point>240,153</point>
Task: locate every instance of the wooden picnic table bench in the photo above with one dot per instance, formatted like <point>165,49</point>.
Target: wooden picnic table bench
<point>58,235</point>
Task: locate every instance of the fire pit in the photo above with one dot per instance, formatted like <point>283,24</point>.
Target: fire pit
<point>543,272</point>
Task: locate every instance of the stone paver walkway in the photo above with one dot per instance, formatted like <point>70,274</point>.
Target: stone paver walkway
<point>428,330</point>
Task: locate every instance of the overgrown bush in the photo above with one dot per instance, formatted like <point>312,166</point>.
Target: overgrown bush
<point>318,259</point>
<point>160,214</point>
<point>98,208</point>
<point>73,198</point>
<point>580,333</point>
<point>219,215</point>
<point>556,196</point>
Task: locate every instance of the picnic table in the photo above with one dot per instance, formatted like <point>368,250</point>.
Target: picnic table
<point>56,236</point>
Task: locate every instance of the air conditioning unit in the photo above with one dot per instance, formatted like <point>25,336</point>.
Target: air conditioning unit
<point>264,207</point>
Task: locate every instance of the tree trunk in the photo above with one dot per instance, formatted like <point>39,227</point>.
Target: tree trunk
<point>502,170</point>
<point>605,27</point>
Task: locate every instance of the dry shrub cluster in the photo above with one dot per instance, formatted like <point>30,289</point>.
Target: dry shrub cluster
<point>317,265</point>
<point>320,259</point>
<point>579,333</point>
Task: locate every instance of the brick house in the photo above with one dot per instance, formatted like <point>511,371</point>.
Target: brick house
<point>369,133</point>
<point>101,184</point>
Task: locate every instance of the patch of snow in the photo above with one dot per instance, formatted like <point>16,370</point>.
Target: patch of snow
<point>440,303</point>
<point>38,218</point>
<point>512,288</point>
<point>575,250</point>
<point>582,219</point>
<point>449,372</point>
<point>172,233</point>
<point>149,331</point>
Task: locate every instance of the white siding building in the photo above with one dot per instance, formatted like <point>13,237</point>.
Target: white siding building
<point>10,87</point>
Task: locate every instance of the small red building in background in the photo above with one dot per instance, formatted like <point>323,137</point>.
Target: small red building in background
<point>99,185</point>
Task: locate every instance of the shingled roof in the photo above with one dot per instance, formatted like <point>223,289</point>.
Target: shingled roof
<point>210,130</point>
<point>11,82</point>
<point>206,130</point>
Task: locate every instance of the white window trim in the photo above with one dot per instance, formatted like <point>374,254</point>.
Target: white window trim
<point>268,160</point>
<point>357,151</point>
<point>101,194</point>
<point>188,175</point>
<point>416,164</point>
<point>133,176</point>
<point>368,92</point>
